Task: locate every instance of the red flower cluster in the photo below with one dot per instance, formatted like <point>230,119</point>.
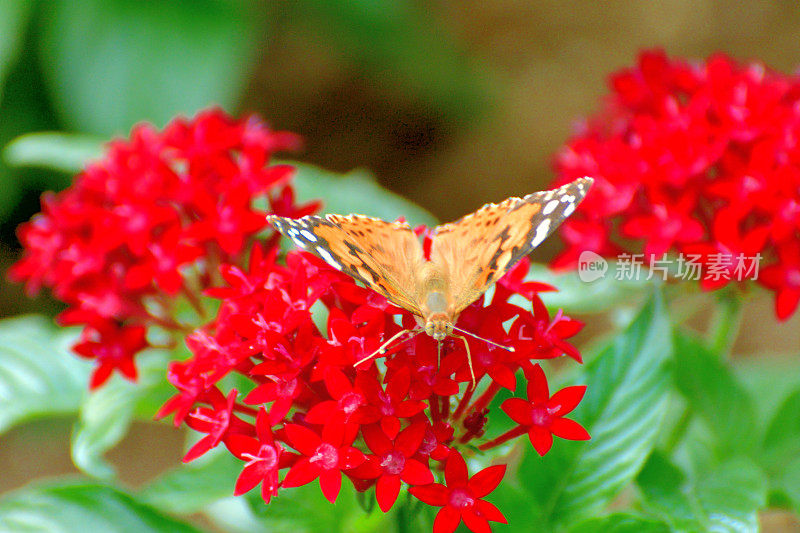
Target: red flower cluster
<point>142,232</point>
<point>699,159</point>
<point>315,416</point>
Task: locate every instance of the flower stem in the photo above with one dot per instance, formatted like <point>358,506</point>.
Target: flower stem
<point>484,399</point>
<point>725,323</point>
<point>463,403</point>
<point>507,436</point>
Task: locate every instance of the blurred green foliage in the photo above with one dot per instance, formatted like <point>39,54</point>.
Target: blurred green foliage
<point>90,70</point>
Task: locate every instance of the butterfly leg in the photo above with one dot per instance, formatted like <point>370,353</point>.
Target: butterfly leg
<point>469,358</point>
<point>382,349</point>
<point>438,355</point>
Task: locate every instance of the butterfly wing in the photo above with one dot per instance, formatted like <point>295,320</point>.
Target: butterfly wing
<point>479,248</point>
<point>384,256</point>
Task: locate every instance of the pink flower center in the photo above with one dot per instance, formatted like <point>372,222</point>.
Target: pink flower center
<point>541,416</point>
<point>393,462</point>
<point>350,402</point>
<point>387,409</point>
<point>268,456</point>
<point>326,456</point>
<point>461,499</point>
<point>429,442</point>
<point>286,388</point>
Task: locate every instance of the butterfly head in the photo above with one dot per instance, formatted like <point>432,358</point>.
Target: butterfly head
<point>439,326</point>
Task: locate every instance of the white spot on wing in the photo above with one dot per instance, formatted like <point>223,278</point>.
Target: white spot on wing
<point>328,258</point>
<point>308,235</point>
<point>541,232</point>
<point>568,198</point>
<point>298,241</point>
<point>551,205</point>
<point>569,209</point>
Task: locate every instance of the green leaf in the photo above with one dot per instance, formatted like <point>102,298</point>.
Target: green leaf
<point>625,403</point>
<point>14,15</point>
<point>23,108</point>
<point>356,192</point>
<point>714,393</point>
<point>80,506</point>
<point>787,482</point>
<point>108,412</point>
<point>726,498</point>
<point>598,296</point>
<point>39,376</point>
<point>621,523</point>
<point>66,152</point>
<point>394,41</point>
<point>191,487</point>
<point>305,510</point>
<point>782,439</point>
<point>112,63</point>
<point>662,483</point>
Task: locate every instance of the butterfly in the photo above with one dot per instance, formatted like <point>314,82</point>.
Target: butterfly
<point>466,256</point>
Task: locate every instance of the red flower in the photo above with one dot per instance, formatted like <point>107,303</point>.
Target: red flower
<point>784,279</point>
<point>113,346</point>
<point>694,159</point>
<point>393,461</point>
<point>263,456</point>
<point>460,499</point>
<point>542,416</point>
<point>145,227</point>
<point>322,457</point>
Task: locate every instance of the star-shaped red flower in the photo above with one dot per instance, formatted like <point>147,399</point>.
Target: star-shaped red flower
<point>542,416</point>
<point>460,500</point>
<point>321,457</point>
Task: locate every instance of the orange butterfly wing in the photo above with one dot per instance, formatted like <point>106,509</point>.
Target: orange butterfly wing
<point>476,250</point>
<point>385,256</point>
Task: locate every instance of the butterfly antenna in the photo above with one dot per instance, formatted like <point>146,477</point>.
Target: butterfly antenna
<point>469,357</point>
<point>508,348</point>
<point>384,347</point>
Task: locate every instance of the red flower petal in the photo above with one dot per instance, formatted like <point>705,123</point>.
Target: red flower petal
<point>249,478</point>
<point>446,521</point>
<point>302,439</point>
<point>435,494</point>
<point>503,376</point>
<point>518,410</point>
<point>330,481</point>
<point>490,512</point>
<point>416,473</point>
<point>538,392</point>
<point>455,470</point>
<point>475,523</point>
<point>322,412</point>
<point>390,426</point>
<point>301,473</point>
<point>485,481</point>
<point>569,429</point>
<point>350,457</point>
<point>408,440</point>
<point>541,439</point>
<point>376,439</point>
<point>239,445</point>
<point>337,383</point>
<point>397,388</point>
<point>567,399</point>
<point>386,491</point>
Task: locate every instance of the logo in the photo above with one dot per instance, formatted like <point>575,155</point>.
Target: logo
<point>591,266</point>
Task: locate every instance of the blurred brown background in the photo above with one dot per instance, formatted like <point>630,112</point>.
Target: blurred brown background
<point>530,70</point>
